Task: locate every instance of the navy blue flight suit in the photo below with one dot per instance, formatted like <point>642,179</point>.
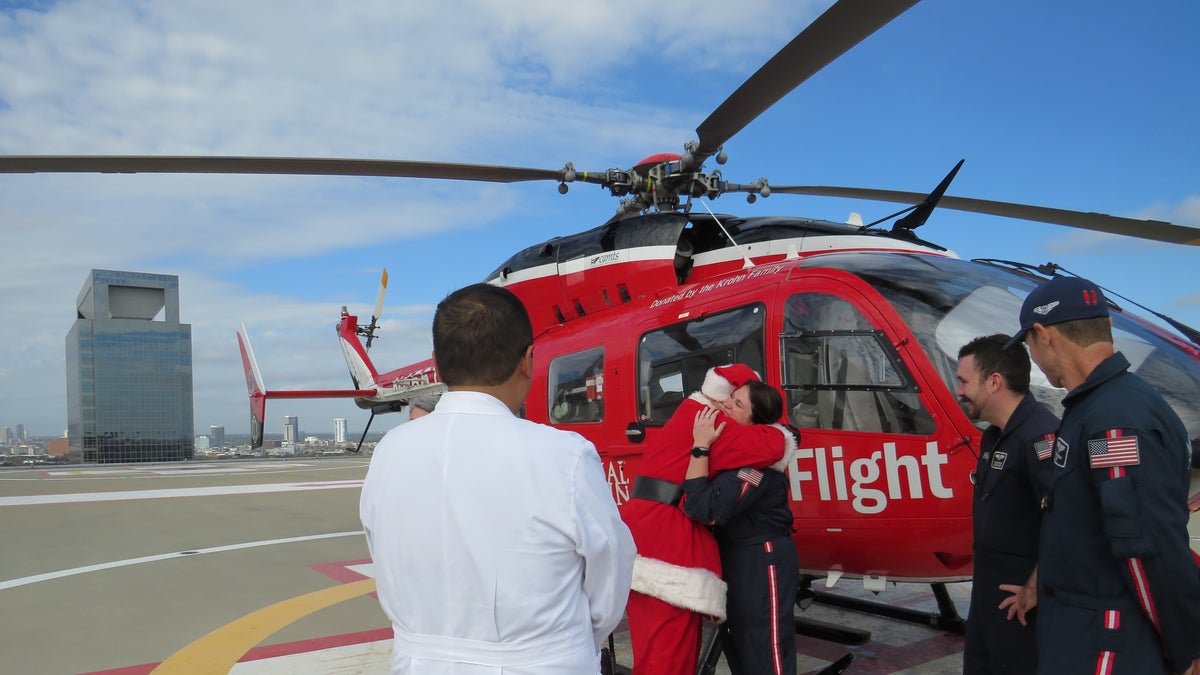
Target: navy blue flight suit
<point>1012,477</point>
<point>1119,587</point>
<point>752,514</point>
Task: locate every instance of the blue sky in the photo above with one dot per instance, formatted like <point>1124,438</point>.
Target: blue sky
<point>1072,104</point>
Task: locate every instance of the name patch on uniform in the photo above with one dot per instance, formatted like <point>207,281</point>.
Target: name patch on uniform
<point>1061,450</point>
<point>998,460</point>
<point>1113,450</point>
<point>1045,447</point>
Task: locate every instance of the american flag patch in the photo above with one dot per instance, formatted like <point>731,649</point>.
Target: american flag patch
<point>751,476</point>
<point>1044,447</point>
<point>1113,450</point>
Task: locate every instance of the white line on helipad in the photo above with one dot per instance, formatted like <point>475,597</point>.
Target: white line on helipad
<point>119,495</point>
<point>48,576</point>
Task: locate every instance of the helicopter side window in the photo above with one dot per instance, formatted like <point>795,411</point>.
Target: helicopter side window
<point>672,361</point>
<point>841,373</point>
<point>576,387</point>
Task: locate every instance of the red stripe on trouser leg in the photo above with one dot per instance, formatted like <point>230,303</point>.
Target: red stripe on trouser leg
<point>773,583</point>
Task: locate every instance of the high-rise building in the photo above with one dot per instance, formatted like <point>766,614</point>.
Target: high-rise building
<point>22,436</point>
<point>5,435</point>
<point>291,430</point>
<point>129,371</point>
<point>216,436</point>
<point>339,430</point>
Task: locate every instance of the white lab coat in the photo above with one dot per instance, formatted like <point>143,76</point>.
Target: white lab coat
<point>496,542</point>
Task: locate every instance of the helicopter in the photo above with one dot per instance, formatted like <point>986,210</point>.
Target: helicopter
<point>857,324</point>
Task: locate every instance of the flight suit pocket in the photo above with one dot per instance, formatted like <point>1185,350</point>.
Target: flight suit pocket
<point>1122,522</point>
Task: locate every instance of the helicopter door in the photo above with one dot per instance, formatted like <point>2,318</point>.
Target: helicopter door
<point>842,373</point>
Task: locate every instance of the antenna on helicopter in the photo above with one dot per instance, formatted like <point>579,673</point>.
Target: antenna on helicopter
<point>369,331</point>
<point>1050,270</point>
<point>748,264</point>
<point>918,213</point>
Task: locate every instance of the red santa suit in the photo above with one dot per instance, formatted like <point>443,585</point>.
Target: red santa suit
<point>677,572</point>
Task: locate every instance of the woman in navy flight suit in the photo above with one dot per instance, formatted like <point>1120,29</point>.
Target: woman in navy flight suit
<point>752,519</point>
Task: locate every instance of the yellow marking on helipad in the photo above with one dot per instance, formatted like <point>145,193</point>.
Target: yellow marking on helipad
<point>220,650</point>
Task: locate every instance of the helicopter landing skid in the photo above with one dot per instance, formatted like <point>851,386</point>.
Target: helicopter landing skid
<point>945,618</point>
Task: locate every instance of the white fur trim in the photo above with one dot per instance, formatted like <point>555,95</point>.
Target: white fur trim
<point>716,387</point>
<point>693,588</point>
<point>789,449</point>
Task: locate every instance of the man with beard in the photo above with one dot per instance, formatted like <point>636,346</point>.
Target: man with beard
<point>1010,479</point>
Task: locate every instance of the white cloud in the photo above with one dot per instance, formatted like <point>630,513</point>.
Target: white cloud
<point>534,83</point>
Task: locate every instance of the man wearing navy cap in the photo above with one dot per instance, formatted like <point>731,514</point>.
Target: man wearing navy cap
<point>1118,585</point>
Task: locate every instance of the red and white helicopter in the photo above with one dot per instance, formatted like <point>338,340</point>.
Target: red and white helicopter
<point>857,325</point>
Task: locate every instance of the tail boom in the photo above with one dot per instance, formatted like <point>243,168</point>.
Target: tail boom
<point>259,393</point>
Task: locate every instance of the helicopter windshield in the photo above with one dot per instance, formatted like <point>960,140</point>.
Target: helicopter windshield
<point>946,302</point>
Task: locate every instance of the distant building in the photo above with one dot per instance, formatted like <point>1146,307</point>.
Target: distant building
<point>57,447</point>
<point>216,436</point>
<point>129,371</point>
<point>6,435</point>
<point>202,443</point>
<point>22,436</point>
<point>339,430</point>
<point>291,430</point>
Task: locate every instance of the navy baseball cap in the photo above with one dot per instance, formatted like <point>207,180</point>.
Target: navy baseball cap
<point>1060,299</point>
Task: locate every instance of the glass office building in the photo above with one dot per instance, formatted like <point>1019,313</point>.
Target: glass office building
<point>129,371</point>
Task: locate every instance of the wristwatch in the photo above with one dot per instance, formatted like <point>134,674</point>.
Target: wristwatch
<point>700,452</point>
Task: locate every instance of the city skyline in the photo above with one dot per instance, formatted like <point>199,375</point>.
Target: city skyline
<point>10,432</point>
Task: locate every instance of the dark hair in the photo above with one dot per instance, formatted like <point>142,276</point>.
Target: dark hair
<point>991,357</point>
<point>766,405</point>
<point>480,334</point>
<point>1086,332</point>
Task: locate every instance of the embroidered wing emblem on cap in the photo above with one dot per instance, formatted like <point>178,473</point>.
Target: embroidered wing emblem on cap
<point>1113,450</point>
<point>1045,309</point>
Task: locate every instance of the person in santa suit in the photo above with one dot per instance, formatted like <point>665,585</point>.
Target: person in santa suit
<point>750,513</point>
<point>677,571</point>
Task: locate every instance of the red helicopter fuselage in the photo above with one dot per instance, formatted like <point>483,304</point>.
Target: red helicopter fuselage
<point>859,330</point>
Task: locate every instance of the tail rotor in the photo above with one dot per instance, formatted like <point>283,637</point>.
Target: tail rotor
<point>369,331</point>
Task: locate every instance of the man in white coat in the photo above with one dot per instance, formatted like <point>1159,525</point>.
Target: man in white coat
<point>496,542</point>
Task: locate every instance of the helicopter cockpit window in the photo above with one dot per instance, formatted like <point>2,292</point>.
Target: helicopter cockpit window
<point>946,302</point>
<point>576,387</point>
<point>672,361</point>
<point>840,373</point>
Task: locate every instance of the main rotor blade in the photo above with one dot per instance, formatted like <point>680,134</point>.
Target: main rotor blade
<point>270,165</point>
<point>842,26</point>
<point>1155,230</point>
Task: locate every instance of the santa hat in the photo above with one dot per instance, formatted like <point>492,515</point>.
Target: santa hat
<point>721,381</point>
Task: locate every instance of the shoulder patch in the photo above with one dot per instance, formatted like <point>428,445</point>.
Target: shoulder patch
<point>1061,450</point>
<point>1113,450</point>
<point>1044,447</point>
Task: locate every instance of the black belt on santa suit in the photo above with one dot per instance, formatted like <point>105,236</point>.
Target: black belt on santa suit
<point>657,490</point>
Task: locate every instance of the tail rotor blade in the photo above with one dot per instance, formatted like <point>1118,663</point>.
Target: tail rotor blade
<point>383,281</point>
